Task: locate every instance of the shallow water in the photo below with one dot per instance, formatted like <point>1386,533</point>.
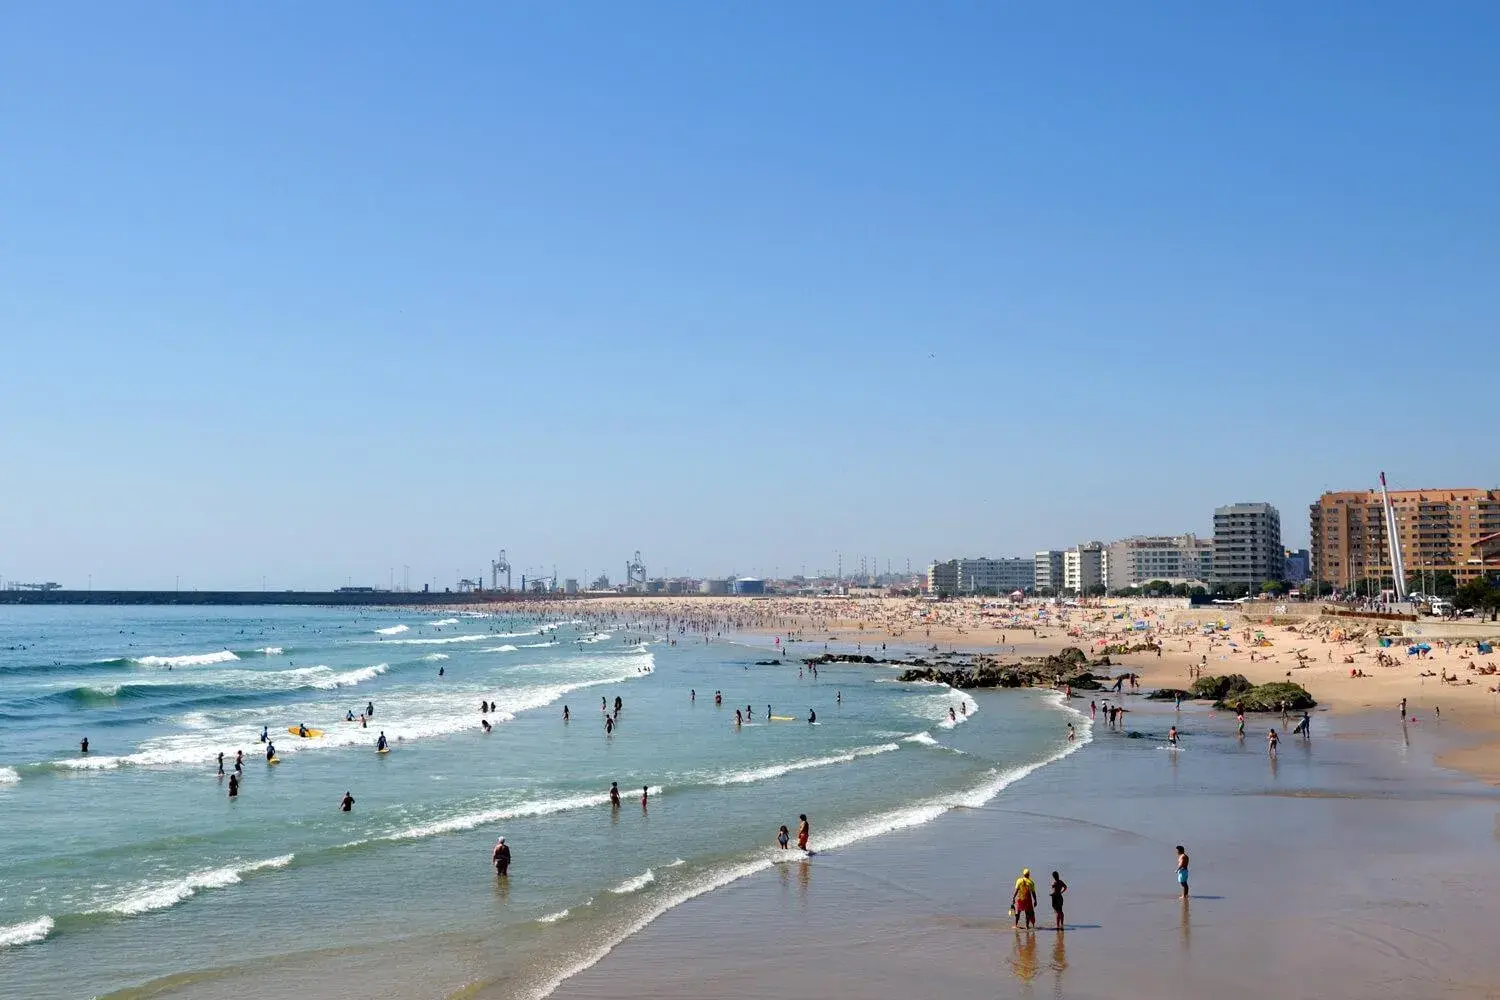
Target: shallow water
<point>131,865</point>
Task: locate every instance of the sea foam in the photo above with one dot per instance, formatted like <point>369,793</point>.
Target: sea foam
<point>393,630</point>
<point>634,884</point>
<point>160,896</point>
<point>189,660</point>
<point>28,933</point>
<point>777,770</point>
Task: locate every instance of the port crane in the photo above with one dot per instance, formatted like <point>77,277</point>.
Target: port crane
<point>498,566</point>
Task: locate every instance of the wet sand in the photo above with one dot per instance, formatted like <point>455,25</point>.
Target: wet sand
<point>1352,866</point>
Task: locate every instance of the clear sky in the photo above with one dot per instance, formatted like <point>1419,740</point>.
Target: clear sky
<point>312,292</point>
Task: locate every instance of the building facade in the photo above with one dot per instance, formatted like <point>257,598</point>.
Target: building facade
<point>1438,531</point>
<point>1247,545</point>
<point>1143,559</point>
<point>1047,570</point>
<point>1085,567</point>
<point>980,576</point>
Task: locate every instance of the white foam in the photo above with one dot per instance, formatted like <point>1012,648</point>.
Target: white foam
<point>596,637</point>
<point>270,650</point>
<point>146,898</point>
<point>777,770</point>
<point>28,933</point>
<point>536,645</point>
<point>499,649</point>
<point>9,776</point>
<point>434,657</point>
<point>634,884</point>
<point>676,863</point>
<point>553,918</point>
<point>445,621</point>
<point>924,738</point>
<point>393,630</point>
<point>189,660</point>
<point>433,642</point>
<point>521,810</point>
<point>515,635</point>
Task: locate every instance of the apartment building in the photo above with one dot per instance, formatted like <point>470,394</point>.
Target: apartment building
<point>981,576</point>
<point>1439,530</point>
<point>1085,567</point>
<point>1047,570</point>
<point>1136,561</point>
<point>1247,544</point>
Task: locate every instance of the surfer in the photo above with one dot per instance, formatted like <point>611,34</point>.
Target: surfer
<point>614,794</point>
<point>83,745</point>
<point>346,804</point>
<point>265,734</point>
<point>841,696</point>
<point>500,857</point>
<point>380,744</point>
<point>370,710</point>
<point>1304,726</point>
<point>270,750</point>
<point>811,716</point>
<point>302,729</point>
<point>484,724</point>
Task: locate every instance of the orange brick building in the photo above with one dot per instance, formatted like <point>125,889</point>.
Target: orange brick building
<point>1440,530</point>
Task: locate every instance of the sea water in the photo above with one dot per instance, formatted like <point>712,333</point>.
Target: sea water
<point>131,867</point>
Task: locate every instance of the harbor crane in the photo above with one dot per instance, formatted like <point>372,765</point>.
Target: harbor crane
<point>635,573</point>
<point>498,566</point>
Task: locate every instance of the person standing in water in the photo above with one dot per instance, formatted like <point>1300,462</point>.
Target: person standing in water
<point>565,713</point>
<point>234,786</point>
<point>783,838</point>
<point>804,830</point>
<point>811,716</point>
<point>645,794</point>
<point>221,763</point>
<point>614,794</point>
<point>83,745</point>
<point>1272,742</point>
<point>380,744</point>
<point>346,804</point>
<point>1058,888</point>
<point>239,761</point>
<point>500,858</point>
<point>1182,870</point>
<point>270,750</point>
<point>1023,899</point>
<point>1172,736</point>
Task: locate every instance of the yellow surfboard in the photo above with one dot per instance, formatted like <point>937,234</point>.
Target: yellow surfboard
<point>782,718</point>
<point>274,760</point>
<point>311,732</point>
<point>384,750</point>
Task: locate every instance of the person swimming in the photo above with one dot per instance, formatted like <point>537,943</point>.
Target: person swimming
<point>645,794</point>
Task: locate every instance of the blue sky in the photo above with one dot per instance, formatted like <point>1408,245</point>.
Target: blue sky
<point>309,292</point>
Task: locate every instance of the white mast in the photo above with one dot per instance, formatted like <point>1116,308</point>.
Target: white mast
<point>1398,571</point>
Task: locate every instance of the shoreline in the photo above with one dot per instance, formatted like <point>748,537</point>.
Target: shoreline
<point>921,912</point>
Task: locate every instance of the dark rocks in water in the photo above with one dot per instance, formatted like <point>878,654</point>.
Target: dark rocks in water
<point>1136,734</point>
<point>1269,698</point>
<point>1168,694</point>
<point>768,663</point>
<point>1220,687</point>
<point>823,658</point>
<point>1121,649</point>
<point>1083,682</point>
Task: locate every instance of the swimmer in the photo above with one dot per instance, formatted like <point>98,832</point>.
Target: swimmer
<point>484,724</point>
<point>614,794</point>
<point>370,710</point>
<point>609,726</point>
<point>349,716</point>
<point>346,804</point>
<point>83,745</point>
<point>265,734</point>
<point>841,694</point>
<point>952,715</point>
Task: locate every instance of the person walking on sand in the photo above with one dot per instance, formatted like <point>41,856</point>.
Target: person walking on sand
<point>804,830</point>
<point>1023,899</point>
<point>1058,888</point>
<point>1182,870</point>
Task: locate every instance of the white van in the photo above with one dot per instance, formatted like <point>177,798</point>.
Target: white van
<point>1441,607</point>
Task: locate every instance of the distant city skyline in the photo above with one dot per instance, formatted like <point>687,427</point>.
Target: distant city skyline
<point>304,297</point>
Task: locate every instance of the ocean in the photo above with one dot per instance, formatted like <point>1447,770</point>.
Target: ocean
<point>129,871</point>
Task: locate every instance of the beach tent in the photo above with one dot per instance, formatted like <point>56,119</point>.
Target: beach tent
<point>1485,647</point>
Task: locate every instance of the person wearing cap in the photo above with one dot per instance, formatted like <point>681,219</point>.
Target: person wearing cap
<point>1023,899</point>
<point>501,857</point>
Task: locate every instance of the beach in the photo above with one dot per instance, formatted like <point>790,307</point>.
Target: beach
<point>1313,871</point>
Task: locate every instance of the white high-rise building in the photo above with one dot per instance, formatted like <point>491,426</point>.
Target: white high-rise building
<point>1143,559</point>
<point>1085,567</point>
<point>1048,570</point>
<point>1247,544</point>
